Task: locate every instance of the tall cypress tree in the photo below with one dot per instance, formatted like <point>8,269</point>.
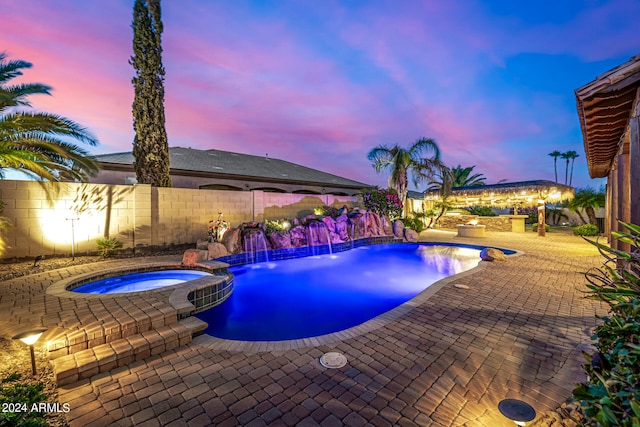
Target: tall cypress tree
<point>150,146</point>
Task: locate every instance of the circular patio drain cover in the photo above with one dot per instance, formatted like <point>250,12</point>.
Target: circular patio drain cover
<point>333,360</point>
<point>517,410</point>
<point>459,286</point>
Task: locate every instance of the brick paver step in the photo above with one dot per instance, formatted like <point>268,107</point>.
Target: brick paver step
<point>105,357</point>
<point>99,332</point>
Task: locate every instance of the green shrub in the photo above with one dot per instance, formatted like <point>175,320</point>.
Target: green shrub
<point>325,210</point>
<point>107,246</point>
<point>414,221</point>
<point>534,227</point>
<point>586,230</point>
<point>280,226</point>
<point>21,397</point>
<point>611,394</point>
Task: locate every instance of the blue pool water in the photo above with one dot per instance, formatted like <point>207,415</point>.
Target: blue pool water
<point>135,282</point>
<point>305,297</point>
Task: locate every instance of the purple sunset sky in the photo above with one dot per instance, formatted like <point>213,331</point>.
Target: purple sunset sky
<point>321,83</point>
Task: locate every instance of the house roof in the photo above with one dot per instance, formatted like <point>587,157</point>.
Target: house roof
<point>418,195</point>
<point>235,165</point>
<point>605,106</point>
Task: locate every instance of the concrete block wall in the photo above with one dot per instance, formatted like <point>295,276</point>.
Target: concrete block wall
<point>45,219</point>
<point>182,215</point>
<point>287,205</point>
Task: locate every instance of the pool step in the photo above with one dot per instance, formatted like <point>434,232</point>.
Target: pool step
<point>105,357</point>
<point>101,332</point>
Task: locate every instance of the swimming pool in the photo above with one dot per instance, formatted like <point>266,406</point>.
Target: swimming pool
<point>136,282</point>
<point>306,297</point>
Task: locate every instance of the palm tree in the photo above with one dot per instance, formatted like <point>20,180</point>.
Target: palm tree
<point>555,154</point>
<point>572,155</point>
<point>38,143</point>
<point>589,200</point>
<point>444,184</point>
<point>461,177</point>
<point>566,156</point>
<point>401,161</point>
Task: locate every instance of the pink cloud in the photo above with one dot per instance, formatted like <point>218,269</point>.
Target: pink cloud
<point>320,86</point>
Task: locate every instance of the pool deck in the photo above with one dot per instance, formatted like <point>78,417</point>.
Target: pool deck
<point>446,359</point>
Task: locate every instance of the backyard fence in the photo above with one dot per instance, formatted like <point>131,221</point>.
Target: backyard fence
<point>51,218</point>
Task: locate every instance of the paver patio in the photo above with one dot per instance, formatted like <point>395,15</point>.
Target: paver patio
<point>517,332</point>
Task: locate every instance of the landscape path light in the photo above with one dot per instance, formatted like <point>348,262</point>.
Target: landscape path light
<point>30,338</point>
<point>73,237</point>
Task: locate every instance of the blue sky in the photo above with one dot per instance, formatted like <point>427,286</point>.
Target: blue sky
<point>321,83</point>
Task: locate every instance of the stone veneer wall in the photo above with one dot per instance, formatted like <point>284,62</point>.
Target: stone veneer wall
<point>492,223</point>
<point>140,216</point>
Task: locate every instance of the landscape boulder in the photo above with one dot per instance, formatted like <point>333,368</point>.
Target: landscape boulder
<point>216,250</point>
<point>398,229</point>
<point>410,235</point>
<point>386,226</point>
<point>342,228</point>
<point>298,236</point>
<point>231,240</point>
<point>492,254</point>
<point>280,241</point>
<point>194,256</point>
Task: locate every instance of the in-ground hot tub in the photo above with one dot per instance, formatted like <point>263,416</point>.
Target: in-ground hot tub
<point>188,289</point>
<point>140,281</point>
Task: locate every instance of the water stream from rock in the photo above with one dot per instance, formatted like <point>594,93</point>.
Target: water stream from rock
<point>255,245</point>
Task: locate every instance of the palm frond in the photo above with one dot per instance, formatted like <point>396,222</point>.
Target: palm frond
<point>44,123</point>
<point>11,69</point>
<point>13,96</point>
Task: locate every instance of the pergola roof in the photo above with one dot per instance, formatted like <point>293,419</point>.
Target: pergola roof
<point>508,193</point>
<point>604,107</point>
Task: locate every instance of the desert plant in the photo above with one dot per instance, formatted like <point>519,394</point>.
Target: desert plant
<point>534,227</point>
<point>611,394</point>
<point>586,230</point>
<point>107,246</point>
<point>217,228</point>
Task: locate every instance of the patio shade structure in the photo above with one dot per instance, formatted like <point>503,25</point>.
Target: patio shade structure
<point>507,195</point>
<point>608,109</point>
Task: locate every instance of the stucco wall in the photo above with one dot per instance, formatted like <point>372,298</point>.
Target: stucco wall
<point>139,216</point>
